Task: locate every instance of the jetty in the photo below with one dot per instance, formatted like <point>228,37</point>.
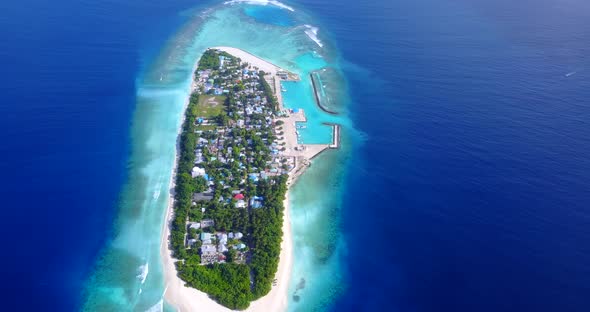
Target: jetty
<point>286,129</point>
<point>335,135</point>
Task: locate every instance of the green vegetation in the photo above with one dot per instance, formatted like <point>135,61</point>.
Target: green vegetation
<point>210,105</point>
<point>206,127</point>
<point>267,234</point>
<point>185,184</point>
<point>247,273</point>
<point>210,59</point>
<point>228,283</point>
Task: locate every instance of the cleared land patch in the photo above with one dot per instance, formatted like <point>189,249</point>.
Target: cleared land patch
<point>210,106</point>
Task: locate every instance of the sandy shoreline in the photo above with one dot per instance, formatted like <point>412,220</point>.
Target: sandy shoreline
<point>190,299</point>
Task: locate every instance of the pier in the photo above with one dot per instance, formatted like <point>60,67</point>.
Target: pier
<point>301,153</point>
<point>335,135</point>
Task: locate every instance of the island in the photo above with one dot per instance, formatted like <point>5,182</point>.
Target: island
<point>238,152</point>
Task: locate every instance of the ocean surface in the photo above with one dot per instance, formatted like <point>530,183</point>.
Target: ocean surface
<point>463,182</point>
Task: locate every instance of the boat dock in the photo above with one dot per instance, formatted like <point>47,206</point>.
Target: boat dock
<point>335,135</point>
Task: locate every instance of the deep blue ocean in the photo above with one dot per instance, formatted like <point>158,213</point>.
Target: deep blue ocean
<point>469,193</point>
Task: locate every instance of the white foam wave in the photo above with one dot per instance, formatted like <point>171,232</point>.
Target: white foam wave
<point>143,272</point>
<point>262,2</point>
<point>157,191</point>
<point>158,307</point>
<point>312,33</point>
<point>207,12</point>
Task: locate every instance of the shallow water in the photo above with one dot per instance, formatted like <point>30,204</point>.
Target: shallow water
<point>162,91</point>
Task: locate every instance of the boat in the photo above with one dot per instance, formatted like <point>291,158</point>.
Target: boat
<point>283,90</point>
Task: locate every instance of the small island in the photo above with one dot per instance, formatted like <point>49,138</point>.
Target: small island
<point>238,151</point>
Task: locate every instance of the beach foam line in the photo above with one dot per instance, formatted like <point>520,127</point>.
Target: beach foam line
<point>262,2</point>
<point>312,33</point>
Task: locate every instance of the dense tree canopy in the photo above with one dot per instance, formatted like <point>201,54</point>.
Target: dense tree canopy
<point>231,284</point>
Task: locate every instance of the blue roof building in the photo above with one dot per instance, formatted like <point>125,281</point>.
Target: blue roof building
<point>205,236</point>
<point>253,177</point>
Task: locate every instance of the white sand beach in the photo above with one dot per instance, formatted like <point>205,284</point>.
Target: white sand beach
<point>189,299</point>
<point>253,60</point>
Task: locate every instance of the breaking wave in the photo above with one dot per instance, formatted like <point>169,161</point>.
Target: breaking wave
<point>158,307</point>
<point>312,33</point>
<point>156,194</point>
<point>263,2</point>
<point>143,272</point>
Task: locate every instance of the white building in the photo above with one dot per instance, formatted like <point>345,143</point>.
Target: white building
<point>197,172</point>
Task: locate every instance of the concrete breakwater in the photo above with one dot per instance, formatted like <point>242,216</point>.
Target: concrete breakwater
<point>317,96</point>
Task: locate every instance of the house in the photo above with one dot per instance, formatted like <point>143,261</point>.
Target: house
<point>238,235</point>
<point>194,225</point>
<point>253,177</point>
<point>256,202</point>
<point>221,248</point>
<point>206,236</point>
<point>208,249</point>
<point>222,237</point>
<point>239,196</point>
<point>197,172</point>
<point>207,223</point>
<point>240,204</point>
<point>198,197</point>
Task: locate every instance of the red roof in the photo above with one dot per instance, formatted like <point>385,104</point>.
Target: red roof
<point>239,196</point>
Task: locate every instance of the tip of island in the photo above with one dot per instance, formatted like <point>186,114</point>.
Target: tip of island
<point>227,241</point>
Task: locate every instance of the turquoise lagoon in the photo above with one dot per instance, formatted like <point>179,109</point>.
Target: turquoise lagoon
<point>128,276</point>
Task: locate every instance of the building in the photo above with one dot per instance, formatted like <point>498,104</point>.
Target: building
<point>199,197</point>
<point>256,202</point>
<point>207,223</point>
<point>221,248</point>
<point>208,249</point>
<point>197,172</point>
<point>222,237</point>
